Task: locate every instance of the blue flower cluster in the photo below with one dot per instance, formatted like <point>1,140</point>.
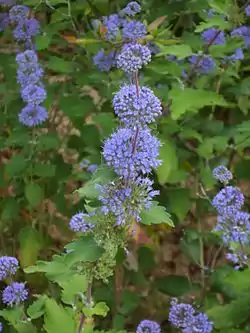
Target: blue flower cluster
<point>232,222</point>
<point>129,30</point>
<point>132,150</point>
<point>15,293</point>
<point>148,326</point>
<point>29,72</point>
<point>184,317</point>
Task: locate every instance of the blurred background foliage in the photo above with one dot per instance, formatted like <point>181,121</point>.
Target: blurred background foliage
<point>203,125</point>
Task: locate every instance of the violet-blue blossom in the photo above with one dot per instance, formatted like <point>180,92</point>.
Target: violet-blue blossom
<point>132,8</point>
<point>133,30</point>
<point>180,314</point>
<point>247,10</point>
<point>222,174</point>
<point>79,223</point>
<point>14,294</point>
<point>228,200</point>
<point>199,324</point>
<point>112,24</point>
<point>132,152</point>
<point>127,200</point>
<point>26,29</point>
<point>34,94</point>
<point>133,57</point>
<point>242,32</point>
<point>148,326</point>
<point>8,266</point>
<point>202,63</point>
<point>213,36</point>
<point>136,110</point>
<point>18,13</point>
<point>104,61</point>
<point>1,327</point>
<point>237,55</point>
<point>33,115</point>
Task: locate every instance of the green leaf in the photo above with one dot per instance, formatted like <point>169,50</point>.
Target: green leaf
<point>192,100</point>
<point>130,301</point>
<point>16,166</point>
<point>44,170</point>
<point>34,194</point>
<point>179,201</point>
<point>239,280</point>
<point>216,21</point>
<point>156,215</point>
<point>42,42</point>
<point>37,308</point>
<point>175,285</point>
<point>73,285</point>
<point>232,314</point>
<point>60,65</point>
<point>13,316</point>
<point>180,51</point>
<point>48,141</point>
<point>100,309</point>
<point>30,245</point>
<point>169,161</point>
<point>25,328</point>
<point>58,319</point>
<point>82,249</point>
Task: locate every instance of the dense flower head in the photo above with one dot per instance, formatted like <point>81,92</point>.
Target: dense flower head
<point>132,57</point>
<point>136,110</point>
<point>222,174</point>
<point>14,294</point>
<point>8,266</point>
<point>239,259</point>
<point>79,223</point>
<point>180,315</point>
<point>33,115</point>
<point>29,71</point>
<point>104,61</point>
<point>125,201</point>
<point>242,32</point>
<point>26,29</point>
<point>247,10</point>
<point>132,8</point>
<point>112,23</point>
<point>132,152</point>
<point>18,13</point>
<point>133,30</point>
<point>33,94</point>
<point>202,63</point>
<point>148,326</point>
<point>228,200</point>
<point>199,324</point>
<point>213,36</point>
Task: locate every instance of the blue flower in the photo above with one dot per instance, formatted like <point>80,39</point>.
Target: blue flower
<point>33,94</point>
<point>14,294</point>
<point>247,10</point>
<point>202,64</point>
<point>222,174</point>
<point>104,61</point>
<point>132,57</point>
<point>228,200</point>
<point>8,266</point>
<point>18,13</point>
<point>132,152</point>
<point>79,223</point>
<point>133,30</point>
<point>148,326</point>
<point>131,9</point>
<point>242,32</point>
<point>136,111</point>
<point>112,23</point>
<point>33,115</point>
<point>213,36</point>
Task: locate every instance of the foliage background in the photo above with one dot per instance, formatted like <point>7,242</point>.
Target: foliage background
<point>207,124</point>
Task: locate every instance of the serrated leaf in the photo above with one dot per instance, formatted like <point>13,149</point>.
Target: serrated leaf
<point>192,100</point>
<point>215,21</point>
<point>37,308</point>
<point>58,319</point>
<point>72,286</point>
<point>156,215</point>
<point>34,194</point>
<point>169,161</point>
